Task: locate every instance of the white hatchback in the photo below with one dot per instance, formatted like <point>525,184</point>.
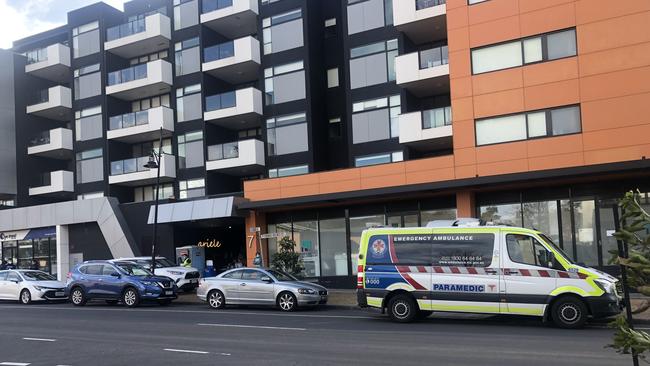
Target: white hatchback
<point>30,285</point>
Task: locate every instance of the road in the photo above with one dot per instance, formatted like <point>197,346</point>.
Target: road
<point>98,334</point>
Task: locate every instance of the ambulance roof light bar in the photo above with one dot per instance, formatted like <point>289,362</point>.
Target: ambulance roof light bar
<point>459,222</point>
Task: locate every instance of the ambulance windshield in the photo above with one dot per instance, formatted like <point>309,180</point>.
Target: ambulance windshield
<point>557,248</point>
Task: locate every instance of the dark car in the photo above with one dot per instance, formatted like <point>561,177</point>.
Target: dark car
<point>115,281</point>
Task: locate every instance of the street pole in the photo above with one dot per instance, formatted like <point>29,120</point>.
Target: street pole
<point>155,210</point>
<point>622,252</point>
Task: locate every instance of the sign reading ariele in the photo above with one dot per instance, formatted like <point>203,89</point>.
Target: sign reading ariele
<point>210,244</point>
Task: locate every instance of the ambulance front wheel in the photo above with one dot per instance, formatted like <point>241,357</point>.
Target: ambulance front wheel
<point>569,313</point>
<point>402,308</point>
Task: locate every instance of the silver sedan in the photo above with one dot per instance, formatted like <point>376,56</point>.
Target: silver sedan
<point>256,286</point>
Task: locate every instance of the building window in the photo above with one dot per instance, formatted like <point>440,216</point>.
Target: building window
<point>423,4</point>
<point>88,124</point>
<point>282,32</point>
<point>264,2</point>
<point>365,15</point>
<point>437,117</point>
<point>379,159</point>
<point>284,83</point>
<point>148,193</point>
<point>90,166</point>
<point>545,47</point>
<point>251,132</point>
<point>530,125</point>
<point>148,58</point>
<point>148,103</point>
<point>191,188</point>
<point>472,2</point>
<point>335,127</point>
<point>188,103</point>
<point>288,171</point>
<point>186,13</point>
<point>372,64</point>
<point>7,203</point>
<point>333,78</point>
<point>376,119</point>
<point>87,82</point>
<point>187,56</point>
<point>85,39</point>
<point>90,195</point>
<point>287,134</point>
<point>190,150</point>
<point>212,5</point>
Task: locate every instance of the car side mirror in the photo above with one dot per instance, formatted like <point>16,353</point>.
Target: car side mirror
<point>266,279</point>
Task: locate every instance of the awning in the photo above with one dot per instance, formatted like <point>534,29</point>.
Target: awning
<point>203,209</point>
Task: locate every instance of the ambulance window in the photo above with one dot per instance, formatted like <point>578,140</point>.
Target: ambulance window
<point>406,249</point>
<point>527,250</point>
<point>463,250</point>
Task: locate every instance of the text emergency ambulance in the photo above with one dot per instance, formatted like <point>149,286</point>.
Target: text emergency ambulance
<point>413,272</point>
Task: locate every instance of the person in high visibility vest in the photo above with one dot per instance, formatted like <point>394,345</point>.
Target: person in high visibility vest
<point>186,261</point>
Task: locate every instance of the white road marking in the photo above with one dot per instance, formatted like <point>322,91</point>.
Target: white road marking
<point>249,326</point>
<point>14,363</point>
<point>40,339</point>
<point>185,351</point>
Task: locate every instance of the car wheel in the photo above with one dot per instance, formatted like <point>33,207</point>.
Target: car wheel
<point>25,297</point>
<point>112,302</point>
<point>164,302</point>
<point>78,297</point>
<point>216,300</point>
<point>130,297</point>
<point>287,301</point>
<point>569,313</point>
<point>402,308</point>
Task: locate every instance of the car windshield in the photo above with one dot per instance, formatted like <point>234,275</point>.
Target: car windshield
<point>282,276</point>
<point>133,269</point>
<point>37,276</point>
<point>557,248</point>
<point>164,263</point>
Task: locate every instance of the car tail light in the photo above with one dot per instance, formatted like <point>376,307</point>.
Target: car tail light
<point>360,276</point>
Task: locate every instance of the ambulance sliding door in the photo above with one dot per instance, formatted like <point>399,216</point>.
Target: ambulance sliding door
<point>465,272</point>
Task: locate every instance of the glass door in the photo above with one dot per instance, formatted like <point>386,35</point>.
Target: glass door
<point>584,219</point>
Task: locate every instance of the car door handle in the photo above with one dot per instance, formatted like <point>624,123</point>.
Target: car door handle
<point>490,271</point>
<point>242,284</point>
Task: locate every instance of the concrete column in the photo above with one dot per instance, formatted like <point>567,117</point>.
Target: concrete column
<point>465,204</point>
<point>253,242</point>
<point>62,252</point>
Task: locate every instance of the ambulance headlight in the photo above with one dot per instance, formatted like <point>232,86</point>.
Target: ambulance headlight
<point>606,286</point>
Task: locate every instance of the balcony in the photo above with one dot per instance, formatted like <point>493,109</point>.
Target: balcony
<point>236,110</point>
<point>426,130</point>
<point>131,172</point>
<point>424,73</point>
<point>238,158</point>
<point>140,81</point>
<point>231,18</point>
<point>421,20</point>
<point>141,126</point>
<point>54,183</point>
<point>53,103</point>
<point>139,37</point>
<point>55,144</point>
<point>50,63</point>
<point>234,62</point>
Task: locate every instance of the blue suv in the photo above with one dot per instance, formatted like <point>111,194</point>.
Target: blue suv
<point>115,281</point>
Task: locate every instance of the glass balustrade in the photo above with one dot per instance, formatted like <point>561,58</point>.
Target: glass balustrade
<point>434,57</point>
<point>126,29</point>
<point>129,74</point>
<point>228,150</point>
<point>219,52</point>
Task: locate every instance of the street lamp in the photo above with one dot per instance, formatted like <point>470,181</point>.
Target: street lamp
<point>154,163</point>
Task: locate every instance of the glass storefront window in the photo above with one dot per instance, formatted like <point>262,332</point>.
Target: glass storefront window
<point>42,254</point>
<point>273,242</point>
<point>333,244</point>
<point>584,214</point>
<point>25,254</point>
<point>507,214</point>
<point>433,215</point>
<point>542,216</point>
<point>358,225</point>
<point>305,234</point>
<point>53,258</point>
<point>10,252</point>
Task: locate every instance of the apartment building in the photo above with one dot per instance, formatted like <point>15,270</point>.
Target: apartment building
<point>317,119</point>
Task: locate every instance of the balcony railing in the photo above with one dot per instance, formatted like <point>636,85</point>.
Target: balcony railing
<point>128,166</point>
<point>129,74</point>
<point>126,29</point>
<point>437,117</point>
<point>423,4</point>
<point>42,180</point>
<point>219,52</point>
<point>129,120</point>
<point>212,5</point>
<point>434,57</point>
<point>220,101</point>
<point>228,150</point>
<point>41,96</point>
<point>42,138</point>
<point>35,56</point>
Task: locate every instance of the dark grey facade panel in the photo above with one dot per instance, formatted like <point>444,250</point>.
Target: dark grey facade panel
<point>7,125</point>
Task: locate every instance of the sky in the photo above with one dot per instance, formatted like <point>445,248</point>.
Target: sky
<point>22,18</point>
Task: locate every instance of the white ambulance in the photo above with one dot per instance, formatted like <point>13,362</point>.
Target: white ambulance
<point>465,267</point>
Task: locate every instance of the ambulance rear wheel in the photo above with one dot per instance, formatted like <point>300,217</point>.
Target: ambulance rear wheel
<point>569,313</point>
<point>402,308</point>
